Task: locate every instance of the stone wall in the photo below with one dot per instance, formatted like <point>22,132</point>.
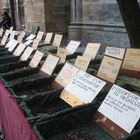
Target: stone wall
<point>57,15</point>
<point>34,14</point>
<point>98,21</point>
<point>0,11</point>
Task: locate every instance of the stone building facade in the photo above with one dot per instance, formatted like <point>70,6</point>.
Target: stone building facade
<point>98,21</point>
<point>85,20</point>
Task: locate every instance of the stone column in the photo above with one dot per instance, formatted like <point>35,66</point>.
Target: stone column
<point>75,28</point>
<point>76,10</point>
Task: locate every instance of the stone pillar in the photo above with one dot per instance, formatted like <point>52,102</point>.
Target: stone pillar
<point>75,28</point>
<point>76,10</point>
<point>20,17</point>
<point>34,14</point>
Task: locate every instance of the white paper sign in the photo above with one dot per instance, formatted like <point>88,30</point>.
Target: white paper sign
<point>7,32</point>
<point>35,43</point>
<point>19,50</point>
<point>66,74</point>
<point>122,107</point>
<point>4,39</point>
<point>36,59</point>
<point>115,52</point>
<point>13,45</point>
<point>39,36</point>
<point>1,32</point>
<point>91,50</point>
<point>12,34</point>
<point>72,46</point>
<point>26,54</point>
<point>85,86</point>
<point>48,38</point>
<point>32,36</point>
<point>9,43</point>
<point>28,42</point>
<point>50,64</point>
<point>57,40</point>
<point>11,28</point>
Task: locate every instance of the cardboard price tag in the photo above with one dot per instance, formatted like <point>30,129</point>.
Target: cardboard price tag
<point>39,36</point>
<point>66,74</point>
<point>92,50</point>
<point>19,50</point>
<point>82,62</point>
<point>61,52</point>
<point>132,60</point>
<point>83,86</point>
<point>26,54</point>
<point>22,34</point>
<point>19,39</point>
<point>13,45</point>
<point>57,40</point>
<point>109,69</point>
<point>72,46</point>
<point>36,59</point>
<point>3,41</point>
<point>50,64</point>
<point>48,38</point>
<point>35,43</point>
<point>122,103</point>
<point>115,52</point>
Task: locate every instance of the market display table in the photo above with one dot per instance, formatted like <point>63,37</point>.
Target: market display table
<point>12,121</point>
